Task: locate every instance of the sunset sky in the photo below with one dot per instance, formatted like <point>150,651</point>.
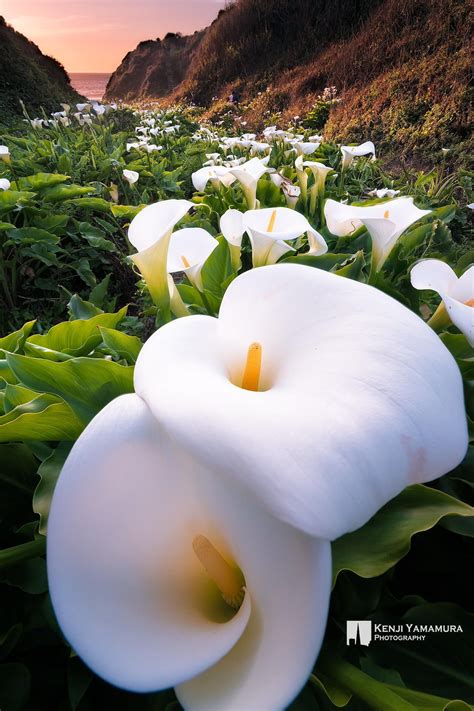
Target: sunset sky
<point>94,35</point>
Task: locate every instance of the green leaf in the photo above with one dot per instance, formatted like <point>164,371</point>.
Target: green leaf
<point>79,678</point>
<point>14,341</point>
<point>44,417</point>
<point>99,292</point>
<point>335,693</point>
<point>385,539</point>
<point>217,269</point>
<point>95,237</point>
<point>354,267</point>
<point>79,337</point>
<point>86,384</point>
<point>121,344</point>
<point>11,198</point>
<point>31,235</point>
<point>29,576</point>
<point>325,261</point>
<point>58,193</point>
<point>49,472</point>
<point>80,309</point>
<point>41,180</point>
<point>91,203</point>
<point>126,212</point>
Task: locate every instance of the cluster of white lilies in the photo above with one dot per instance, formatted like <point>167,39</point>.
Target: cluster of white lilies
<point>252,441</point>
<point>84,114</point>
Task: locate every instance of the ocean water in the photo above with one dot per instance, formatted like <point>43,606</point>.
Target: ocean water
<point>89,85</point>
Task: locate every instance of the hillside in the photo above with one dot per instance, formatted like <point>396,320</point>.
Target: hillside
<point>401,67</point>
<point>155,68</point>
<point>27,73</point>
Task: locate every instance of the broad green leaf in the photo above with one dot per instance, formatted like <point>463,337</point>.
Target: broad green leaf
<point>126,212</point>
<point>29,576</point>
<point>58,193</point>
<point>81,309</point>
<point>79,337</point>
<point>49,472</point>
<point>325,261</point>
<point>86,384</point>
<point>385,539</point>
<point>45,417</point>
<point>41,180</point>
<point>354,268</point>
<point>95,237</point>
<point>335,693</point>
<point>91,203</point>
<point>14,341</point>
<point>121,344</point>
<point>31,235</point>
<point>11,198</point>
<point>217,268</point>
<point>99,292</point>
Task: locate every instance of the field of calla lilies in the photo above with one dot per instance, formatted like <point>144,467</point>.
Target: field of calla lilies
<point>236,401</point>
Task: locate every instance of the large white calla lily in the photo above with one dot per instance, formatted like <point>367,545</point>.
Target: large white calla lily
<point>267,395</point>
<point>351,152</point>
<point>269,230</point>
<point>140,593</point>
<point>150,232</point>
<point>457,293</point>
<point>248,174</point>
<point>385,222</point>
<point>216,174</point>
<point>188,250</point>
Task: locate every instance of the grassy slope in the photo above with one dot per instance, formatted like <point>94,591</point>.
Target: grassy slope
<point>26,73</point>
<point>401,68</point>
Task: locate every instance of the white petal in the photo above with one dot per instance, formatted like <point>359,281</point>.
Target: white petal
<point>433,274</point>
<point>275,655</point>
<point>155,221</point>
<point>232,227</point>
<point>331,438</point>
<point>112,580</point>
<point>116,585</point>
<point>463,290</point>
<point>4,184</point>
<point>194,244</point>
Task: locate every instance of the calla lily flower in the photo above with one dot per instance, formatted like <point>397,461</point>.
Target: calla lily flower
<point>320,173</point>
<point>4,184</point>
<point>457,293</point>
<point>248,175</point>
<point>270,228</point>
<point>385,222</point>
<point>199,588</point>
<point>131,176</point>
<point>5,154</point>
<point>188,250</point>
<point>267,396</point>
<point>305,149</point>
<point>217,174</point>
<point>83,107</point>
<point>351,152</point>
<point>233,229</point>
<point>150,232</point>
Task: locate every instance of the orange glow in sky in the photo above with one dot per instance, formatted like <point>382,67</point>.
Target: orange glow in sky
<point>94,35</point>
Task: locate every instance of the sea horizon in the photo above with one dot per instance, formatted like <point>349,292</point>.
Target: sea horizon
<point>90,84</point>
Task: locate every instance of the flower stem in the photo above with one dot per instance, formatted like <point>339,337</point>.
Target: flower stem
<point>25,551</point>
<point>375,694</point>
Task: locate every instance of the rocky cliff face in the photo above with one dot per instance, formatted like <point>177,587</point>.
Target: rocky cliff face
<point>28,74</point>
<point>155,68</point>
